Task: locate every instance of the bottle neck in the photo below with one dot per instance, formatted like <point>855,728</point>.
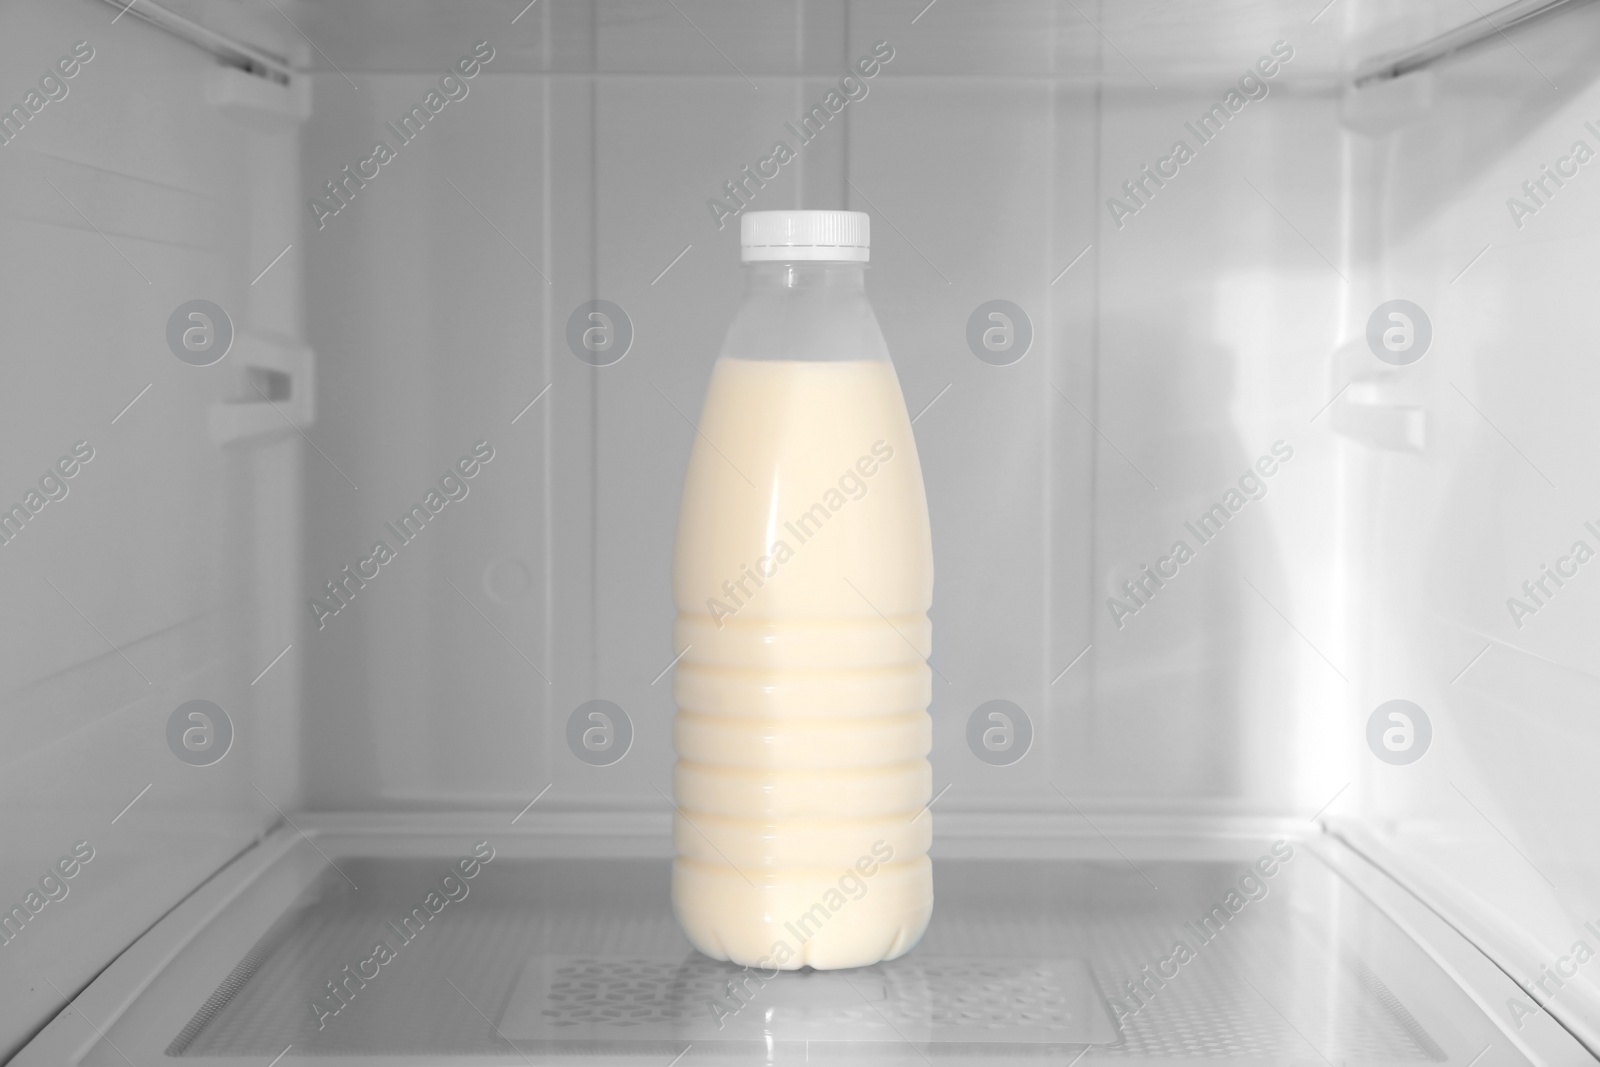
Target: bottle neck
<point>809,310</point>
<point>775,279</point>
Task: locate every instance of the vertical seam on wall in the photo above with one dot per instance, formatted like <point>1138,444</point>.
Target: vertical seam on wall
<point>849,118</point>
<point>594,372</point>
<point>1048,600</point>
<point>1096,312</point>
<point>547,301</point>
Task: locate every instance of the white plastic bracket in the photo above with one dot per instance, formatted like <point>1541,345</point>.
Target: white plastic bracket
<point>1378,108</point>
<point>278,394</point>
<point>1362,414</point>
<point>1381,406</point>
<point>257,103</point>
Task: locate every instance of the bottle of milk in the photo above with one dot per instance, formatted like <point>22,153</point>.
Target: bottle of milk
<point>802,577</point>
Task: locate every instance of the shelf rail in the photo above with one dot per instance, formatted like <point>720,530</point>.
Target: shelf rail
<point>1479,30</point>
<point>246,57</point>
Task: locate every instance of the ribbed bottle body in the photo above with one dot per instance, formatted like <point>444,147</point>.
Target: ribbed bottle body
<point>803,575</point>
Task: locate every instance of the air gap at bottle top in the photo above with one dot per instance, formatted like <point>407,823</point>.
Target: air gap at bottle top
<point>803,575</point>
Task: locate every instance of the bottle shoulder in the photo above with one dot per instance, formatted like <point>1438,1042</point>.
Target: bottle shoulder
<point>806,325</point>
<point>807,471</point>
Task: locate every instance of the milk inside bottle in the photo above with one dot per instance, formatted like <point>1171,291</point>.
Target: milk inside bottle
<point>803,574</point>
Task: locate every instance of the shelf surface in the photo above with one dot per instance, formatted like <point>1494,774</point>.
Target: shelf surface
<point>1044,947</point>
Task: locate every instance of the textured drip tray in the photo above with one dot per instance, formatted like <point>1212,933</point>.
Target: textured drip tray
<point>1025,959</point>
<point>924,999</point>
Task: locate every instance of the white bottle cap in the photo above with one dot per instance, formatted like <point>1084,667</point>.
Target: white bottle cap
<point>766,236</point>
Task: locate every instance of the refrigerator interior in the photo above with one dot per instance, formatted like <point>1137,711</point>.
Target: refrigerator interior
<point>1187,337</point>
